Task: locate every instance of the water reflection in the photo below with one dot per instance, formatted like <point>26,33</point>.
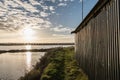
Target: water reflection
<point>28,47</point>
<point>28,61</point>
<point>15,65</point>
<point>28,58</point>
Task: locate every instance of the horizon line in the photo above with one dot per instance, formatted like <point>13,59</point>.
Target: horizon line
<point>37,43</point>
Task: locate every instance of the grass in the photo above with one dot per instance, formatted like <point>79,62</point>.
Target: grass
<point>57,64</point>
<point>72,70</point>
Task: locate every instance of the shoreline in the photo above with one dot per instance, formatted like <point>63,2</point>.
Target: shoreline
<point>56,64</point>
<point>24,50</point>
<point>18,44</point>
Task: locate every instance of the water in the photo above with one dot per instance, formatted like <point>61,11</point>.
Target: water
<point>15,65</point>
<point>33,47</point>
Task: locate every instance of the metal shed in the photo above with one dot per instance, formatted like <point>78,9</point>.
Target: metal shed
<point>97,41</point>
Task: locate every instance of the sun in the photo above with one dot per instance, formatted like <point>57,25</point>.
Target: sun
<point>28,34</point>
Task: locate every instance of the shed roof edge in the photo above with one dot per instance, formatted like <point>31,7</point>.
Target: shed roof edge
<point>91,14</point>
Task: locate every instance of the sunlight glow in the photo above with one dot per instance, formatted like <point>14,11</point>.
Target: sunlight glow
<point>28,47</point>
<point>28,60</point>
<point>28,34</point>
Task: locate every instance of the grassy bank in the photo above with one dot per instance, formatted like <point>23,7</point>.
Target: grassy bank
<point>57,64</point>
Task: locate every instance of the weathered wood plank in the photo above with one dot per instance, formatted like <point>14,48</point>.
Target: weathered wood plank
<point>98,43</point>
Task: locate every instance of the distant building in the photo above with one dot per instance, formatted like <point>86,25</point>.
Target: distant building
<point>97,41</point>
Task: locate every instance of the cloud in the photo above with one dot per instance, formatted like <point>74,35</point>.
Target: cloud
<point>81,0</point>
<point>43,14</point>
<point>62,4</point>
<point>16,14</point>
<point>72,0</point>
<point>66,0</point>
<point>51,8</point>
<point>64,36</point>
<point>53,1</point>
<point>27,6</point>
<point>60,28</point>
<point>59,35</point>
<point>8,27</point>
<point>34,2</point>
<point>60,0</point>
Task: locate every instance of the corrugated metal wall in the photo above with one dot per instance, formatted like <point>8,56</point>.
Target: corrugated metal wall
<point>98,44</point>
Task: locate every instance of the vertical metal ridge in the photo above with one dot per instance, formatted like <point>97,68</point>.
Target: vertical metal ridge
<point>98,44</point>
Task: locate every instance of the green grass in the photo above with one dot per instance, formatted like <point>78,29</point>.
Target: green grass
<point>72,70</point>
<point>55,69</point>
<point>57,64</point>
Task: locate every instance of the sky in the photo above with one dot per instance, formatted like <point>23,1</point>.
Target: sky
<point>41,21</point>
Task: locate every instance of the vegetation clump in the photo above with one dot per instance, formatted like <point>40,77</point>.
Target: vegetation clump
<point>57,64</point>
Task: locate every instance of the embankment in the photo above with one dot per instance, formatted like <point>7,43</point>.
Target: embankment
<point>24,50</point>
<point>57,64</point>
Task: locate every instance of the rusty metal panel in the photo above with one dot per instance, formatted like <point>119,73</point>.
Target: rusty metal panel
<point>98,44</point>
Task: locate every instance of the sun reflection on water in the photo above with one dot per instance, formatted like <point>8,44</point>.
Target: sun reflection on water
<point>28,47</point>
<point>28,58</point>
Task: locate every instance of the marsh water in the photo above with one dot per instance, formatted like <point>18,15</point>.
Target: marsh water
<point>15,65</point>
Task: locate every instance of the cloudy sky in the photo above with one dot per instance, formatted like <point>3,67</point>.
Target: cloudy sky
<point>41,20</point>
